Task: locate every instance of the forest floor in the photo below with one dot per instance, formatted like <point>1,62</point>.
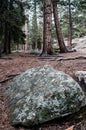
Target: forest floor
<point>18,62</point>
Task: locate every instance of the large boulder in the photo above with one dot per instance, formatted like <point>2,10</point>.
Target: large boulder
<point>42,94</point>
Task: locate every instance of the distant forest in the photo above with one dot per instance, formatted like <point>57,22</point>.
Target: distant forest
<point>37,24</point>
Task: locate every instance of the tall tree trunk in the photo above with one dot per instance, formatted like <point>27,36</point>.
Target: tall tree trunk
<point>47,40</point>
<point>9,41</point>
<point>5,47</point>
<point>62,46</point>
<point>70,25</point>
<point>6,38</point>
<point>9,28</point>
<point>34,26</point>
<point>0,49</point>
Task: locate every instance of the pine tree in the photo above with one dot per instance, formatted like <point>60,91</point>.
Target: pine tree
<point>61,43</point>
<point>34,25</point>
<point>12,19</point>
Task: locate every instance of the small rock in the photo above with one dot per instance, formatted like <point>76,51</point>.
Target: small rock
<point>81,75</point>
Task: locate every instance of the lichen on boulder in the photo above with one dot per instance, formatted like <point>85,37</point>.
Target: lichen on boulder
<point>42,94</point>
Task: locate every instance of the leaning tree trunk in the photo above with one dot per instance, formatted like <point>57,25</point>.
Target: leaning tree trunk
<point>62,46</point>
<point>47,40</point>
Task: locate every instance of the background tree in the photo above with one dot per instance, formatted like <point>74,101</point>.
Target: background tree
<point>70,24</point>
<point>78,18</point>
<point>34,25</point>
<point>58,29</point>
<point>12,19</point>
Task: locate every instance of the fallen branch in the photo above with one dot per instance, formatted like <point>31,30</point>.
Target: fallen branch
<point>46,57</point>
<point>50,58</point>
<point>10,76</point>
<point>4,80</point>
<point>5,58</point>
<point>71,58</point>
<point>13,75</point>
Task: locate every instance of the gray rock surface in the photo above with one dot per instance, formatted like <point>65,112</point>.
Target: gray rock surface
<point>42,94</point>
<point>81,75</point>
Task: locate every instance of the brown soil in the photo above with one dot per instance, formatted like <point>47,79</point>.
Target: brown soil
<point>20,62</point>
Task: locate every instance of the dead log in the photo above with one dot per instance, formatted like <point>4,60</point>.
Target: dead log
<point>72,58</point>
<point>50,58</point>
<point>6,58</point>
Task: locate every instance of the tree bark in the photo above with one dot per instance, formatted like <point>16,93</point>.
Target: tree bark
<point>61,43</point>
<point>7,48</point>
<point>0,52</point>
<point>70,25</point>
<point>6,37</point>
<point>7,31</point>
<point>47,40</point>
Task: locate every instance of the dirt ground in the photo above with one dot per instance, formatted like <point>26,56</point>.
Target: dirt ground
<point>18,62</point>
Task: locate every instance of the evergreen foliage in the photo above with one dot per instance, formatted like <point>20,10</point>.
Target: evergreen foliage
<point>12,20</point>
